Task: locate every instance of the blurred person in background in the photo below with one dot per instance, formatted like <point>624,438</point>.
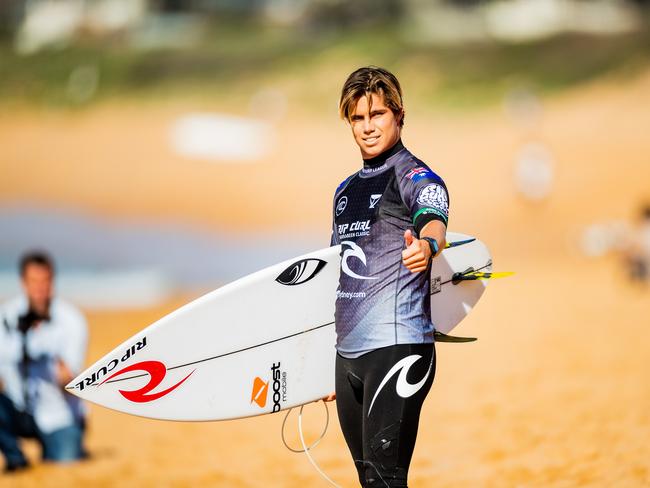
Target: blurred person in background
<point>390,219</point>
<point>43,344</point>
<point>638,250</point>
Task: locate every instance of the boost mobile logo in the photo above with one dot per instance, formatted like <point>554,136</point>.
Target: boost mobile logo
<point>278,383</point>
<point>260,389</point>
<point>357,252</point>
<point>301,271</point>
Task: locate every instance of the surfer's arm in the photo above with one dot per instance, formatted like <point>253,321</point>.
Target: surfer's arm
<point>435,229</point>
<point>426,197</point>
<point>418,251</point>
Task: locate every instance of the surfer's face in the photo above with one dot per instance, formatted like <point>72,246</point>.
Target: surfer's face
<point>374,126</point>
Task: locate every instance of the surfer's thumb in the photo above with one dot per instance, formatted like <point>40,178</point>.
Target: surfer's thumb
<point>408,237</point>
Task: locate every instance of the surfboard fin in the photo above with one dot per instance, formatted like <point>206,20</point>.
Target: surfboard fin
<point>459,243</point>
<point>471,275</point>
<point>440,337</point>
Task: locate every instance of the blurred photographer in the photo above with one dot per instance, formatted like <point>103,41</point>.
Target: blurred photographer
<point>42,347</point>
<point>637,251</point>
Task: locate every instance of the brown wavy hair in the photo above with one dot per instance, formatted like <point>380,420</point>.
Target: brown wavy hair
<point>366,81</point>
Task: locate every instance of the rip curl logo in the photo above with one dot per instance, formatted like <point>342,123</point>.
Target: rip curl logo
<point>403,387</point>
<point>435,196</point>
<point>354,251</point>
<point>157,372</point>
<point>340,206</point>
<point>260,391</point>
<point>91,379</point>
<point>301,271</point>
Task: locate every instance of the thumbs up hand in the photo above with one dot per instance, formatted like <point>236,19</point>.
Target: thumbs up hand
<point>417,253</point>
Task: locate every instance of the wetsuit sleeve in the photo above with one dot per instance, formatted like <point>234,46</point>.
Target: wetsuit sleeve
<point>334,240</point>
<point>426,196</point>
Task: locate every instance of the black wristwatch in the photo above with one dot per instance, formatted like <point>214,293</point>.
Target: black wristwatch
<point>433,244</point>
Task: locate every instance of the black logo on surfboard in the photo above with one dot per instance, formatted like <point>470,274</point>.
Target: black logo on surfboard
<point>301,271</point>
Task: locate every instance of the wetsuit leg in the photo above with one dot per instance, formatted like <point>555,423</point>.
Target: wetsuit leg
<point>395,381</point>
<point>349,406</point>
<point>396,386</point>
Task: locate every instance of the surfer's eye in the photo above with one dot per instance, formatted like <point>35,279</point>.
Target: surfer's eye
<point>301,271</point>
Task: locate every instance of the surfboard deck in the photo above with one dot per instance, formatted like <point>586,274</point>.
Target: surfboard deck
<point>258,345</point>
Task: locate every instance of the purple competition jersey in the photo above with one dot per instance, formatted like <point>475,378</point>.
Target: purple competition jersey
<point>379,301</point>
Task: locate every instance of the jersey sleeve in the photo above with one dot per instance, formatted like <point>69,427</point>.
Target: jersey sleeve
<point>334,240</point>
<point>426,196</point>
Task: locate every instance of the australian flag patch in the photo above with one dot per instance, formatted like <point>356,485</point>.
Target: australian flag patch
<point>418,173</point>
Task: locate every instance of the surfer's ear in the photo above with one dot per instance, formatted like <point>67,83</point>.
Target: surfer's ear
<point>399,116</point>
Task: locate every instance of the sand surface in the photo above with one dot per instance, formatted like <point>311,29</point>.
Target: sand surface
<point>554,394</point>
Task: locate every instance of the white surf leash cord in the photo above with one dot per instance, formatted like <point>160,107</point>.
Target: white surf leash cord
<point>305,447</point>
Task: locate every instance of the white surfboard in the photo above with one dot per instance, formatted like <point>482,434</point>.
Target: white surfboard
<point>258,345</point>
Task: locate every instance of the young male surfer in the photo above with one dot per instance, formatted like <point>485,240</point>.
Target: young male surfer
<point>390,219</point>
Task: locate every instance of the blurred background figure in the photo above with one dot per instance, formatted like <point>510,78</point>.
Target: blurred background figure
<point>43,343</point>
<point>638,249</point>
<point>534,162</point>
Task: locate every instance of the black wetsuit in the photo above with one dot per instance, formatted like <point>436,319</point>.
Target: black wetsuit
<point>386,357</point>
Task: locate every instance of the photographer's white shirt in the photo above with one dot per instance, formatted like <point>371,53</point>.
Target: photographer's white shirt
<point>64,336</point>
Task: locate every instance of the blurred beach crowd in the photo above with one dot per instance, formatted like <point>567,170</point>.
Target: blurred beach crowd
<point>158,149</point>
<point>180,23</point>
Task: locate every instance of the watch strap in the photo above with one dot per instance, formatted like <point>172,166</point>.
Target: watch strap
<point>433,244</point>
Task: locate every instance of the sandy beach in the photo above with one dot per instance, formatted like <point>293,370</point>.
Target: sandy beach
<point>555,393</point>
